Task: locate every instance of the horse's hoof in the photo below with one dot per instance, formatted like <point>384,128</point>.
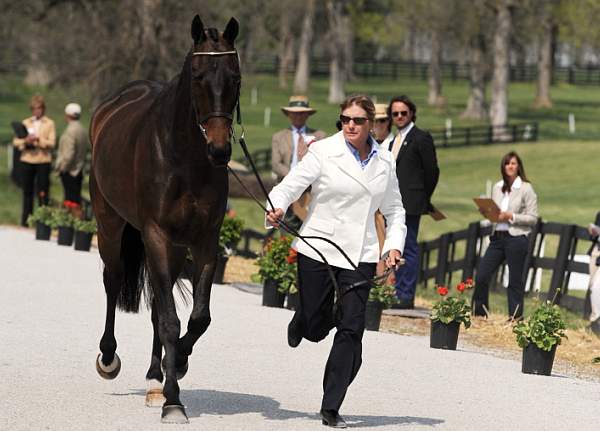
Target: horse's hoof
<point>111,371</point>
<point>154,393</point>
<point>174,414</point>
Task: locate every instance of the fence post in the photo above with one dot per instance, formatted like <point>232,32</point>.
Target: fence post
<point>571,77</point>
<point>514,133</point>
<point>442,259</point>
<point>468,136</point>
<point>490,135</point>
<point>534,136</point>
<point>561,261</point>
<point>529,257</point>
<point>471,251</point>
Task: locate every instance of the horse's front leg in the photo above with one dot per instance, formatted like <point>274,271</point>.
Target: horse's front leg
<point>162,258</point>
<point>205,263</point>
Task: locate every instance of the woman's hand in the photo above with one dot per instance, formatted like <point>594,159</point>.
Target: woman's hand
<point>274,216</point>
<point>505,216</point>
<point>393,259</point>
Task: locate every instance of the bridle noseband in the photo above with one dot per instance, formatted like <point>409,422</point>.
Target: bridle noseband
<point>228,115</point>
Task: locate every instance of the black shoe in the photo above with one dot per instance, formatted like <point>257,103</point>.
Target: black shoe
<point>294,332</point>
<point>332,419</point>
<point>404,304</point>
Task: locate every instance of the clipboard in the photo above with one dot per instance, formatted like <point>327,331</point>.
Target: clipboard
<point>488,208</point>
<point>436,214</point>
<point>19,129</point>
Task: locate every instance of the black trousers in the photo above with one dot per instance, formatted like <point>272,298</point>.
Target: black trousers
<point>315,318</point>
<point>72,186</point>
<point>513,250</point>
<point>35,176</point>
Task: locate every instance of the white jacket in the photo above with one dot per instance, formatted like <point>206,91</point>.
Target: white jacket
<point>344,200</point>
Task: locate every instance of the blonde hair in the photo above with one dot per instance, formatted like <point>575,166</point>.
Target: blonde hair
<point>37,101</point>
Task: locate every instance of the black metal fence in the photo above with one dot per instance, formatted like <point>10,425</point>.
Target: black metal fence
<point>562,265</point>
<point>367,68</point>
<point>444,138</point>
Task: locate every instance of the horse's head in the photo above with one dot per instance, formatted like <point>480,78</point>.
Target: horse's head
<point>215,86</point>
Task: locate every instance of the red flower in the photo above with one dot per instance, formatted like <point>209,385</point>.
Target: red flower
<point>461,287</point>
<point>442,290</point>
<point>292,256</point>
<point>469,283</point>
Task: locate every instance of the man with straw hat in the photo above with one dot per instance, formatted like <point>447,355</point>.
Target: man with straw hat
<point>290,145</point>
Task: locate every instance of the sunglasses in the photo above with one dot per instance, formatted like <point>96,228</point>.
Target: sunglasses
<point>359,121</point>
<point>381,120</point>
<point>400,113</point>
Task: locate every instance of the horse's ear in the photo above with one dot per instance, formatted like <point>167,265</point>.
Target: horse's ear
<point>198,30</point>
<point>231,31</point>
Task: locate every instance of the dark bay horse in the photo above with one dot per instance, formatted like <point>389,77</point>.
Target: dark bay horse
<point>159,187</point>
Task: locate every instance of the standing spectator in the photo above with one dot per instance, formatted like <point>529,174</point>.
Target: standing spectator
<point>509,241</point>
<point>73,146</point>
<point>351,178</point>
<point>382,128</point>
<point>291,144</point>
<point>594,285</point>
<point>418,173</point>
<point>36,156</point>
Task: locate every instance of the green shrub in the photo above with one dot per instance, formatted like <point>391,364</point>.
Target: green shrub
<point>383,293</point>
<point>42,214</point>
<point>545,327</point>
<point>61,217</point>
<point>88,226</point>
<point>278,263</point>
<point>230,234</point>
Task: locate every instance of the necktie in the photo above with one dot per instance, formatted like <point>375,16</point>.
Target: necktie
<point>397,144</point>
<point>301,148</point>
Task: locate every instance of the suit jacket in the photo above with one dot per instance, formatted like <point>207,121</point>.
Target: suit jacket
<point>73,146</point>
<point>42,152</point>
<point>344,200</point>
<point>417,170</point>
<point>522,202</point>
<point>281,150</point>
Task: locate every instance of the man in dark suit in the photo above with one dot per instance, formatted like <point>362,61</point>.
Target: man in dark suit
<point>418,174</point>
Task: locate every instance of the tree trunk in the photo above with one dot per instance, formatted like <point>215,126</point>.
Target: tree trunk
<point>476,106</point>
<point>302,77</point>
<point>499,102</point>
<point>435,73</point>
<point>544,66</point>
<point>349,49</point>
<point>337,74</point>
<point>286,46</point>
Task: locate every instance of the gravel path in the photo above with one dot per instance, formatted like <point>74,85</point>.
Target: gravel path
<point>242,375</point>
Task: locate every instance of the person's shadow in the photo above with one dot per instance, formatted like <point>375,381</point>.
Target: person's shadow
<point>199,402</point>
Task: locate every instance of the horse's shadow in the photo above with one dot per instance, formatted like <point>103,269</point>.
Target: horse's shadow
<point>200,402</point>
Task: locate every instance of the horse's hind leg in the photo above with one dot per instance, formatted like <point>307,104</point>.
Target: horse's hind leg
<point>108,363</point>
<point>154,376</point>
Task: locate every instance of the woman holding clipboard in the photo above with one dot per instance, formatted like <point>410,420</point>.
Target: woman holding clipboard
<point>509,242</point>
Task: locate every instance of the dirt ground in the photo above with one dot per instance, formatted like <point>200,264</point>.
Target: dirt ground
<point>494,335</point>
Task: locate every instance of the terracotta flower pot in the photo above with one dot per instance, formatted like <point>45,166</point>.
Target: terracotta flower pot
<point>444,335</point>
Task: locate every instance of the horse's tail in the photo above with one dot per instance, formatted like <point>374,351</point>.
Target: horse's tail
<point>133,260</point>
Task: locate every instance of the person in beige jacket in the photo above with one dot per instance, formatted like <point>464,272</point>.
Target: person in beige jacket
<point>509,241</point>
<point>36,156</point>
<point>72,150</point>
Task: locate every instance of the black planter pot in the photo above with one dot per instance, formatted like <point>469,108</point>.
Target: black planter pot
<point>220,269</point>
<point>65,235</point>
<point>42,231</point>
<point>373,315</point>
<point>83,240</point>
<point>537,361</point>
<point>293,301</point>
<point>444,335</point>
<point>271,296</point>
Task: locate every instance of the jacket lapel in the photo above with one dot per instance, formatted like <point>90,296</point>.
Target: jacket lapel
<point>289,146</point>
<point>406,143</point>
<point>346,162</point>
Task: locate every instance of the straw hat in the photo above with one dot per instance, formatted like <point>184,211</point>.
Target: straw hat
<point>381,111</point>
<point>298,104</point>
